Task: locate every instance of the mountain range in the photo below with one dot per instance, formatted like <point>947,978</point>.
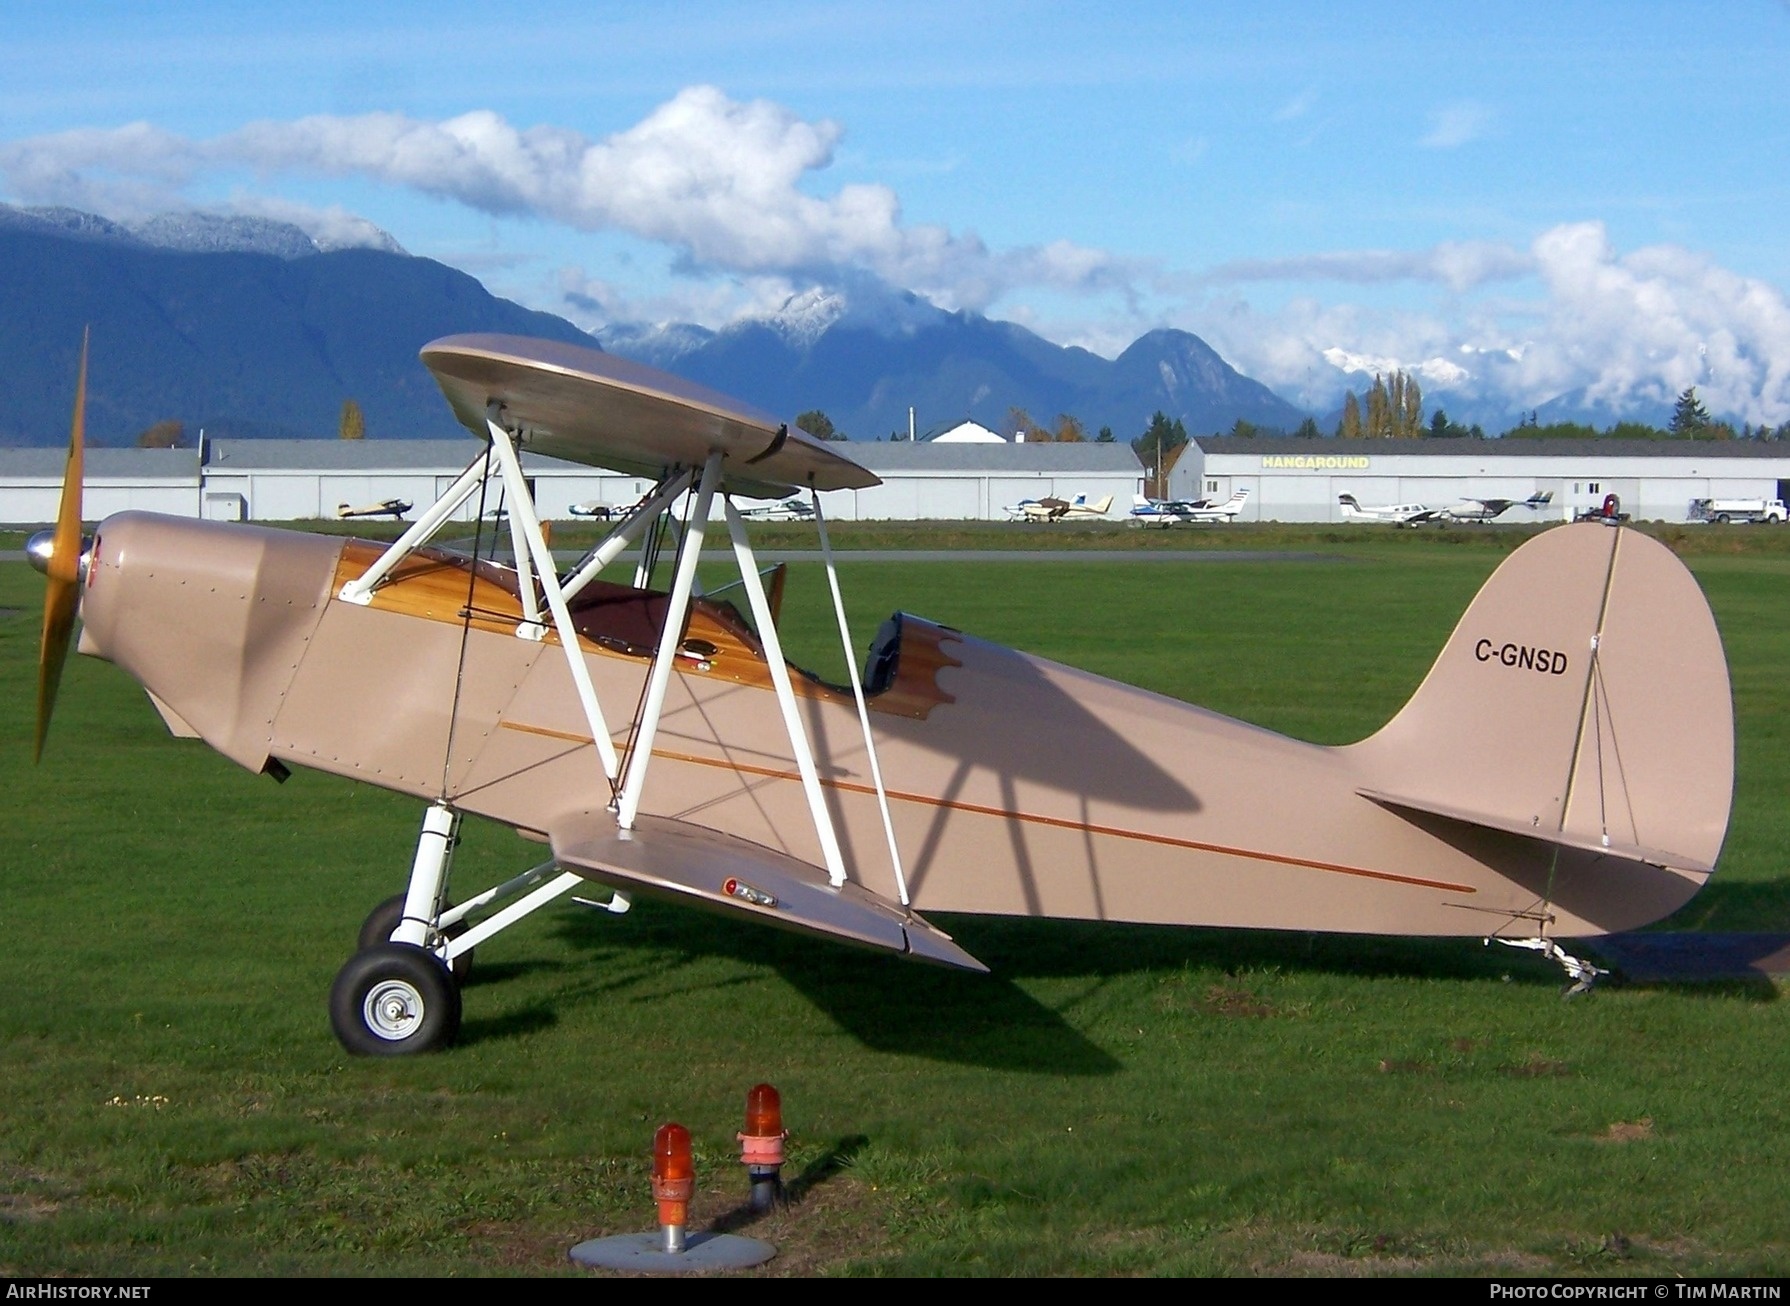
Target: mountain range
<point>864,360</point>
<point>247,326</point>
<point>242,327</point>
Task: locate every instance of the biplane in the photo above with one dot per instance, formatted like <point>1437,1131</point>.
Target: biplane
<point>656,741</point>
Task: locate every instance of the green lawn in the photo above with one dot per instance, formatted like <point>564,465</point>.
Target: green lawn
<point>1112,1100</point>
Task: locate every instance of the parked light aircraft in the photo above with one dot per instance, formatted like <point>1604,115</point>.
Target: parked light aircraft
<point>1055,509</point>
<point>1485,510</point>
<point>1417,514</point>
<point>787,510</point>
<point>658,743</point>
<point>1172,512</point>
<point>1398,514</point>
<point>393,508</point>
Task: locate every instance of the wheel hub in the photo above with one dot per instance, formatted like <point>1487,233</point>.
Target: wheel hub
<point>393,1009</point>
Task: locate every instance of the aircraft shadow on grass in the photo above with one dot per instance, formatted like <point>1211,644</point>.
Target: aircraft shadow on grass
<point>990,1021</point>
<point>933,1012</point>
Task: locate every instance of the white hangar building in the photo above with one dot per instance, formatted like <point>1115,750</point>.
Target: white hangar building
<point>292,480</point>
<point>978,482</point>
<point>1299,480</point>
<point>281,480</point>
<point>296,480</point>
<point>117,480</point>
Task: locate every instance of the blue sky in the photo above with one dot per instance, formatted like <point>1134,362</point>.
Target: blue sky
<point>1513,201</point>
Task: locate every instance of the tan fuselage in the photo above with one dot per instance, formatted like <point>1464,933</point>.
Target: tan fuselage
<point>1016,785</point>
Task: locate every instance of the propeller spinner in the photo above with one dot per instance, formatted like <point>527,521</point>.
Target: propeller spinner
<point>61,555</point>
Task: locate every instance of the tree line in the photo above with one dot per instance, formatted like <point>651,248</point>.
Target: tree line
<point>1390,409</point>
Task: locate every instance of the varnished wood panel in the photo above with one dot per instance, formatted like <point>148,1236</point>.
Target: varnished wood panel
<point>619,621</point>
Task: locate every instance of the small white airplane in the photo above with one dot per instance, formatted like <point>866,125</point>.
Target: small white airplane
<point>786,510</point>
<point>1169,512</point>
<point>1417,514</point>
<point>1485,510</point>
<point>596,511</point>
<point>1054,509</point>
<point>393,508</point>
<point>1398,514</point>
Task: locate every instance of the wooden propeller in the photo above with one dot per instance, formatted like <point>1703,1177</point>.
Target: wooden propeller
<point>63,594</point>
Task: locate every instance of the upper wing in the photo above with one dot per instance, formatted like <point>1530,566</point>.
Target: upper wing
<point>591,407</point>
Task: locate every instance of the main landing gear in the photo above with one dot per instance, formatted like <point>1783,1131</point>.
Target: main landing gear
<point>400,993</point>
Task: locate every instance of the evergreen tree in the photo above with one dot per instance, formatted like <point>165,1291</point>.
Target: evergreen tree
<point>1105,436</point>
<point>1308,430</point>
<point>1158,448</point>
<point>1689,418</point>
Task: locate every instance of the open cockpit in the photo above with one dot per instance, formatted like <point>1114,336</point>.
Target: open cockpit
<point>447,584</point>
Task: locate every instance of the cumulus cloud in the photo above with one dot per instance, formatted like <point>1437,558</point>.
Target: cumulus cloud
<point>719,181</point>
<point>1614,328</point>
<point>1649,323</point>
<point>736,191</point>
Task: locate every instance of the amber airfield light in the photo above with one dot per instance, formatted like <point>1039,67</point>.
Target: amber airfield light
<point>674,1179</point>
<point>761,1145</point>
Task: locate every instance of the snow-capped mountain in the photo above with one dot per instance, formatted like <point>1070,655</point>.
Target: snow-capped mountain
<point>865,355</point>
<point>198,232</point>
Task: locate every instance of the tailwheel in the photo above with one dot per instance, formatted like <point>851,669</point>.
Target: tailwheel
<point>393,1000</point>
<point>384,918</point>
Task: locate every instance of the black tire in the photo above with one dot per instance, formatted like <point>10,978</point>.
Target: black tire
<point>393,1000</point>
<point>384,918</point>
<point>1721,519</point>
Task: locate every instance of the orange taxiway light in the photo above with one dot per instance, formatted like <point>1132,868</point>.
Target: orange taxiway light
<point>761,1145</point>
<point>674,1180</point>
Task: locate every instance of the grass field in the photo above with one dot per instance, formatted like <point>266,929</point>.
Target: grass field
<point>1112,1100</point>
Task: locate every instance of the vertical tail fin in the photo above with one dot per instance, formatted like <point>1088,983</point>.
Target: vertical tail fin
<point>1582,699</point>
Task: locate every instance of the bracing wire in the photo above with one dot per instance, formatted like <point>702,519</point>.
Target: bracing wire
<point>650,546</point>
<point>472,581</point>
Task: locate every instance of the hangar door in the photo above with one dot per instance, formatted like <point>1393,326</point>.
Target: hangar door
<point>949,499</point>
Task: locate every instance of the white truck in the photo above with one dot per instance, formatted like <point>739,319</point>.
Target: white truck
<point>1746,510</point>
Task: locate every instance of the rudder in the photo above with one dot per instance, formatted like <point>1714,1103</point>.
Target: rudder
<point>1583,699</point>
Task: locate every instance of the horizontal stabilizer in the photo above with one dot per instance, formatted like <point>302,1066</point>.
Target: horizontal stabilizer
<point>693,864</point>
<point>1564,838</point>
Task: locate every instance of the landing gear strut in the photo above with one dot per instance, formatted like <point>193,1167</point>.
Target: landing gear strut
<point>397,995</point>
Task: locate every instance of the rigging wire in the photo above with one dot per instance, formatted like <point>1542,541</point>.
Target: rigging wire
<point>649,561</point>
<point>472,581</point>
